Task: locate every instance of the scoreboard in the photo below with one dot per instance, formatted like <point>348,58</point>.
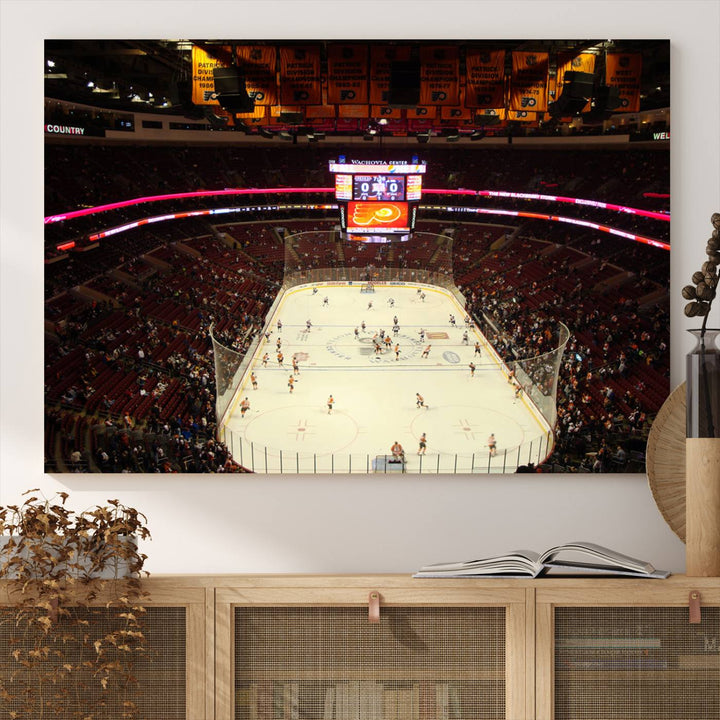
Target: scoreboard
<point>378,199</point>
<point>378,187</point>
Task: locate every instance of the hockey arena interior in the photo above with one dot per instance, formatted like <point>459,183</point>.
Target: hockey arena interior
<point>233,286</point>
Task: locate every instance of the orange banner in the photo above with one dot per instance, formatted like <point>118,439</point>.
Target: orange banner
<point>258,113</point>
<point>257,117</point>
<point>383,111</point>
<point>257,63</point>
<point>300,75</point>
<point>320,111</point>
<point>347,80</point>
<point>623,71</point>
<point>523,116</point>
<point>353,111</point>
<point>528,82</point>
<point>380,58</point>
<point>485,72</point>
<point>461,112</point>
<point>439,75</point>
<point>421,113</point>
<point>203,85</point>
<point>584,62</point>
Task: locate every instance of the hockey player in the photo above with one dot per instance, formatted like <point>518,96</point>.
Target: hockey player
<point>492,444</point>
<point>423,445</point>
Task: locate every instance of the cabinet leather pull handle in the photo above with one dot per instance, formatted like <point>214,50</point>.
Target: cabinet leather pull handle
<point>374,607</point>
<point>694,604</point>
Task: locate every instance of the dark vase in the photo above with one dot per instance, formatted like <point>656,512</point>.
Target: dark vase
<point>703,386</point>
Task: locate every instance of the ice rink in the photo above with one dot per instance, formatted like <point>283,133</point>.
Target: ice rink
<point>375,401</point>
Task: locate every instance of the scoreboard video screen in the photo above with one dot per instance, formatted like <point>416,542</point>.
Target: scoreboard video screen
<point>378,197</point>
<point>378,187</point>
<point>371,217</point>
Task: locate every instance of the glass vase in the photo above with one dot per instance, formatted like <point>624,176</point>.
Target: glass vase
<point>703,386</point>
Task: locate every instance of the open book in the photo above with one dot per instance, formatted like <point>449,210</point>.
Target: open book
<point>575,558</point>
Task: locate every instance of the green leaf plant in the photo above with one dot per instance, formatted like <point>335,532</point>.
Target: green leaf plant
<point>71,610</point>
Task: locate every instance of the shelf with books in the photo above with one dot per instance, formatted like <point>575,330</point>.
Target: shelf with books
<point>363,699</point>
<point>632,655</point>
<point>424,660</point>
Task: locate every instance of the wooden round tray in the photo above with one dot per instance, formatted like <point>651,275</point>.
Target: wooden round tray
<point>665,460</point>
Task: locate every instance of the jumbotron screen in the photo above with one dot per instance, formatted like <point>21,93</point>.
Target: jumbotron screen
<point>377,181</point>
<point>377,217</point>
<point>378,187</point>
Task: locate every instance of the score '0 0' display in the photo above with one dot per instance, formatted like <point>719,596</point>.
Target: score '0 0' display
<point>378,187</point>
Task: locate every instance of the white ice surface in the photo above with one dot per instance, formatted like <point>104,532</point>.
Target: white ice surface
<point>375,395</point>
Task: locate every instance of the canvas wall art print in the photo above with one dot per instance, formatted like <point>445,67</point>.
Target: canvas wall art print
<point>367,257</point>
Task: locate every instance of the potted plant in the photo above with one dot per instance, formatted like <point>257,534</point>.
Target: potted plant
<point>71,609</point>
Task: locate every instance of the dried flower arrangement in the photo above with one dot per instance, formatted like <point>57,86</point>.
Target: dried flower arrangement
<point>703,292</point>
<point>703,364</point>
<point>70,610</point>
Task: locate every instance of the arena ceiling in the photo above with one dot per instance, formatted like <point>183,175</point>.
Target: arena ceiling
<point>153,75</point>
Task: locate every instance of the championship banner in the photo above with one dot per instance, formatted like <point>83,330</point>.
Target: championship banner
<point>381,56</point>
<point>383,111</point>
<point>528,82</point>
<point>353,111</point>
<point>319,111</point>
<point>461,112</point>
<point>258,64</point>
<point>347,79</point>
<point>584,62</point>
<point>623,71</point>
<point>421,113</point>
<point>300,75</point>
<point>203,84</point>
<point>523,116</point>
<point>439,75</point>
<point>485,78</point>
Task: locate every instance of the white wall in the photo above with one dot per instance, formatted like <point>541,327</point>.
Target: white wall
<point>338,524</point>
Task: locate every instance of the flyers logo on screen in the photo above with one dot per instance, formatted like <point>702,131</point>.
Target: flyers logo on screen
<point>369,214</point>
